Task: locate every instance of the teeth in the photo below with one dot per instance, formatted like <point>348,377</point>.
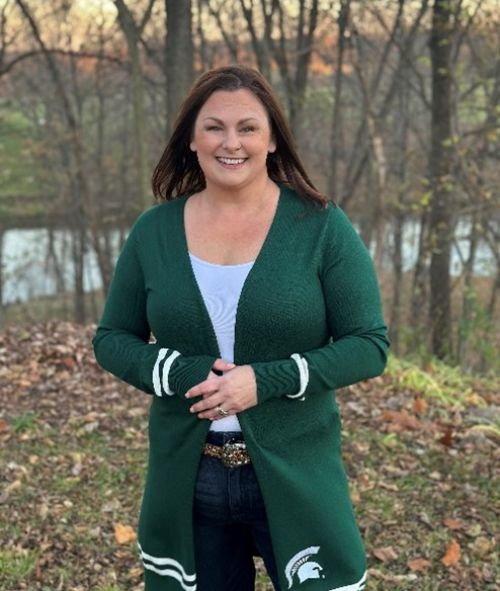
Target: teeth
<point>231,160</point>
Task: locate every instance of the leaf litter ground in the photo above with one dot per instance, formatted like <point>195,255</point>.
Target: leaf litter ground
<point>420,448</point>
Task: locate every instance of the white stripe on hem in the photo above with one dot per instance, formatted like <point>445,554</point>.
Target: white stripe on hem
<point>303,373</point>
<point>355,586</point>
<point>166,561</point>
<point>166,370</point>
<point>171,568</point>
<point>171,573</point>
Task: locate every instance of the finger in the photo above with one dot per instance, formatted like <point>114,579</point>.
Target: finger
<point>206,387</point>
<point>221,365</point>
<point>209,403</point>
<point>214,414</point>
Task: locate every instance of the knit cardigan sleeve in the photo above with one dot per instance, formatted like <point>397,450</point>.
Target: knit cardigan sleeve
<point>122,341</point>
<point>359,343</point>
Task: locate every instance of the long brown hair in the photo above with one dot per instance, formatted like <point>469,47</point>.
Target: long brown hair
<point>178,172</point>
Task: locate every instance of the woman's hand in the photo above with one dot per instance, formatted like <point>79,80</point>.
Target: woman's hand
<point>234,391</point>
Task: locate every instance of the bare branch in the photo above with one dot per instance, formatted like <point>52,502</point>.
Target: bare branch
<point>78,54</point>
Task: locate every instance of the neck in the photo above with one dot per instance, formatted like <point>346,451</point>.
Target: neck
<point>243,199</point>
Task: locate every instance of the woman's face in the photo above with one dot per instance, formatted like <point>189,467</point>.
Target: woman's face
<point>232,138</point>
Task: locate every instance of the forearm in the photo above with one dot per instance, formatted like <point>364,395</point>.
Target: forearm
<point>338,364</point>
<point>149,366</point>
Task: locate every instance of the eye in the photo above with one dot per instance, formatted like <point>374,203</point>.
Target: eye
<point>213,128</point>
<point>248,129</point>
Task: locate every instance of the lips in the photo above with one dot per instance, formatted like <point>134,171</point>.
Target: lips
<point>230,161</point>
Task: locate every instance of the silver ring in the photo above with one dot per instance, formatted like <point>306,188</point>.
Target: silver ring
<point>221,412</point>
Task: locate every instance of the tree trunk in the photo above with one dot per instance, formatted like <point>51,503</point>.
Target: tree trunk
<point>82,206</point>
<point>440,226</point>
<point>305,42</point>
<point>78,248</point>
<point>295,84</point>
<point>179,55</point>
<point>359,157</point>
<point>395,322</point>
<point>494,293</point>
<point>419,285</point>
<point>336,138</point>
<point>133,32</point>
<point>401,137</point>
<point>468,294</point>
<point>366,220</point>
<point>259,46</point>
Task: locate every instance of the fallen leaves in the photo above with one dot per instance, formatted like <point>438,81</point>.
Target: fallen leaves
<point>124,534</point>
<point>418,564</point>
<point>401,421</point>
<point>452,523</point>
<point>453,553</point>
<point>420,405</point>
<point>385,554</point>
<point>447,438</point>
<point>74,443</point>
<point>9,489</point>
<point>69,434</point>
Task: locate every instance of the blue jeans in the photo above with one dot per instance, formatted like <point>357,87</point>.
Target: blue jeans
<point>230,525</point>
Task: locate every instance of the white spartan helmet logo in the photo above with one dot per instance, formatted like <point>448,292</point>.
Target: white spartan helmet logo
<point>304,568</point>
<point>309,570</point>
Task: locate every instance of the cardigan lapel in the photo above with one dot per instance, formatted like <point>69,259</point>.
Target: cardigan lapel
<point>255,270</point>
<point>188,274</point>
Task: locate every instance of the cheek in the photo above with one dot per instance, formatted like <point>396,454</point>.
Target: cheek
<point>200,141</point>
<point>264,147</point>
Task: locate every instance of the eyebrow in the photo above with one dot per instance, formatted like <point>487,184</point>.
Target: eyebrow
<point>240,121</point>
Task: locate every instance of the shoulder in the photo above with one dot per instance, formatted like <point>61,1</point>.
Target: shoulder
<point>337,227</point>
<point>341,245</point>
<point>156,216</point>
<point>330,220</point>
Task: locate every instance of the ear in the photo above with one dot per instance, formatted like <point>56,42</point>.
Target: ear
<point>192,146</point>
<point>272,146</point>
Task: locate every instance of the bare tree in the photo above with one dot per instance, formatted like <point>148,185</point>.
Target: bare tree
<point>293,62</point>
<point>440,168</point>
<point>133,32</point>
<point>83,208</point>
<point>336,132</point>
<point>178,55</point>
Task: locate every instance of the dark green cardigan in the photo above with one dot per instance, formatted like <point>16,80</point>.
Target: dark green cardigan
<point>311,291</point>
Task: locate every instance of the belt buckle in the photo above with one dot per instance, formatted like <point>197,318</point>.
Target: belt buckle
<point>228,454</point>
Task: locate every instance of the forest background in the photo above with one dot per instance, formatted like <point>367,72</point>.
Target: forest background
<point>395,110</point>
<point>394,105</point>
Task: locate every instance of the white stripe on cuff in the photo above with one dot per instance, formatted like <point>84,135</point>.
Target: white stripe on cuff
<point>166,370</point>
<point>303,373</point>
<point>156,371</point>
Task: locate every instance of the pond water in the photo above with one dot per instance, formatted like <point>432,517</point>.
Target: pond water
<point>26,274</point>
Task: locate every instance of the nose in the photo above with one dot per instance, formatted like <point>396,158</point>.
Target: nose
<point>231,142</point>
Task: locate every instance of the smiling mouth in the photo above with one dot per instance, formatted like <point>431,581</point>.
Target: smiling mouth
<point>231,161</point>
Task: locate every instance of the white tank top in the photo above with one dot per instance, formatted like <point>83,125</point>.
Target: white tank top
<point>220,286</point>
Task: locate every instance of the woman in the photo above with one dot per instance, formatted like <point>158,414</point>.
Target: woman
<point>263,300</point>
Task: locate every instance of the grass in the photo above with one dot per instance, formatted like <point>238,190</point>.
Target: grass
<point>16,566</point>
<point>75,460</point>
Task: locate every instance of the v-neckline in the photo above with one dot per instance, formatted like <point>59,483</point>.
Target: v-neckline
<point>255,267</point>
